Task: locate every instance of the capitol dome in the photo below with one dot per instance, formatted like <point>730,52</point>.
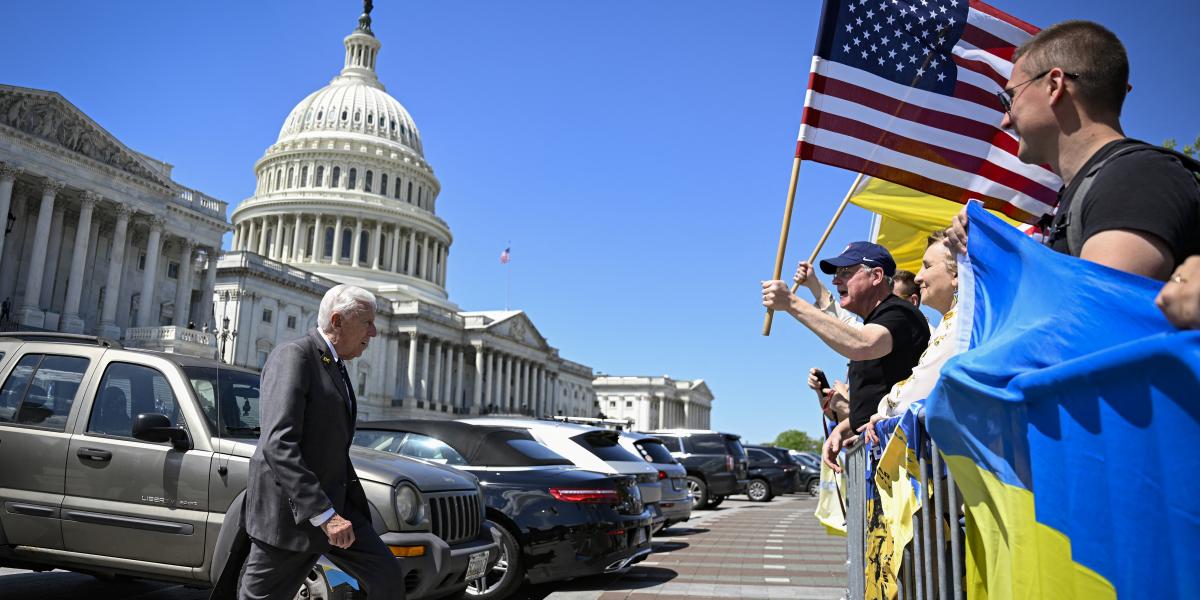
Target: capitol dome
<point>345,191</point>
<point>352,104</point>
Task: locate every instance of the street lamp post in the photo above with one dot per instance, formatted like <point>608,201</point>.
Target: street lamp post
<point>225,334</point>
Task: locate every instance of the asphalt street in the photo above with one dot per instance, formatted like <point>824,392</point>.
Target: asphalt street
<point>768,551</point>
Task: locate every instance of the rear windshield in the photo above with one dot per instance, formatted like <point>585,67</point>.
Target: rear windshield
<point>705,444</point>
<point>654,452</point>
<point>604,446</point>
<point>671,442</point>
<point>735,448</point>
<point>537,452</point>
<point>236,395</point>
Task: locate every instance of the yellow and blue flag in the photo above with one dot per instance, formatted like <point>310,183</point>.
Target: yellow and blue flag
<point>1070,424</point>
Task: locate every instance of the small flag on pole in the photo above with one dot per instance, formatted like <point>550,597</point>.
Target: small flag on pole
<point>504,256</point>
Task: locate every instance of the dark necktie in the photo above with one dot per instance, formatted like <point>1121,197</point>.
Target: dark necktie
<point>349,386</point>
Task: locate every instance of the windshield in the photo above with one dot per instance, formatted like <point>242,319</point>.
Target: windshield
<point>413,445</point>
<point>234,392</point>
<point>655,452</point>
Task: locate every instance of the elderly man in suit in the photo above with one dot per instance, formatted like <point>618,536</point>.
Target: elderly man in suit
<point>303,498</point>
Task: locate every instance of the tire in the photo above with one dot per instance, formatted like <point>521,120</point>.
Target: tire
<point>699,492</point>
<point>814,486</point>
<point>716,501</point>
<point>505,576</point>
<point>315,586</point>
<point>759,490</point>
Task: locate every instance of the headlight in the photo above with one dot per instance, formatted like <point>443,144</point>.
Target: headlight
<point>408,504</point>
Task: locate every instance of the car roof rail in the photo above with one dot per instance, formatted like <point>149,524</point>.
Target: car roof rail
<point>53,336</point>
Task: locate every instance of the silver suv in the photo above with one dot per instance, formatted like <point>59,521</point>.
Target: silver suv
<point>130,462</point>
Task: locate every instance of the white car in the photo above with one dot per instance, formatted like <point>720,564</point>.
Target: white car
<point>592,448</point>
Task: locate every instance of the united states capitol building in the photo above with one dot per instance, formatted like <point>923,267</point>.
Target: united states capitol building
<point>100,240</point>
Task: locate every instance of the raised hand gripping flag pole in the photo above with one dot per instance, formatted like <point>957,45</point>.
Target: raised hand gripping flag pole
<point>904,90</point>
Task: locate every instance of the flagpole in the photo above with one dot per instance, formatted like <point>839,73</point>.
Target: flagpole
<point>783,233</point>
<point>812,258</point>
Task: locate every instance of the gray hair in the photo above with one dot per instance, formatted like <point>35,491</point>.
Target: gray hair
<point>345,300</point>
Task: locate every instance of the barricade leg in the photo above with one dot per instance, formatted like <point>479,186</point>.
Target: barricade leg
<point>856,521</point>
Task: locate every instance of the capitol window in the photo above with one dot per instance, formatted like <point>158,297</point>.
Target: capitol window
<point>320,115</point>
<point>363,245</point>
<point>291,322</point>
<point>393,124</point>
<point>291,175</point>
<point>367,182</point>
<point>304,176</point>
<point>383,184</point>
<point>344,115</point>
<point>337,176</point>
<point>370,118</point>
<point>320,176</point>
<point>357,116</point>
<point>267,314</point>
<point>346,241</point>
<point>352,179</point>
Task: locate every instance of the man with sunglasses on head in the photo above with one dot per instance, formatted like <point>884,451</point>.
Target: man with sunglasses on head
<point>1124,203</point>
<point>884,349</point>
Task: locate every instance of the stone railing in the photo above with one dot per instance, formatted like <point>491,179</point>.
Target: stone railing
<point>260,264</point>
<point>201,202</point>
<point>177,340</point>
<point>427,310</point>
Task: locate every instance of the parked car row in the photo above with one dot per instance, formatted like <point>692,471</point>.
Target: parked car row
<point>119,462</point>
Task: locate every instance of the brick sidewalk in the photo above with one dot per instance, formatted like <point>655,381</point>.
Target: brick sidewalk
<point>771,551</point>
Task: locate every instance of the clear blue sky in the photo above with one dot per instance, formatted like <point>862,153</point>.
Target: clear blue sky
<point>635,153</point>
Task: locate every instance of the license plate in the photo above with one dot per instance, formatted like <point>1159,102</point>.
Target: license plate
<point>477,567</point>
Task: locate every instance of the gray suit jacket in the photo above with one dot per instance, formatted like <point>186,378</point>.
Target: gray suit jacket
<point>302,465</point>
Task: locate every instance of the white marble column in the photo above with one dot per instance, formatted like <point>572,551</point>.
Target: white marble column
<point>489,365</point>
<point>522,398</point>
<point>237,237</point>
<point>248,244</point>
<point>71,323</point>
<point>357,245</point>
<point>262,237</point>
<point>425,256</point>
<point>506,385</point>
<point>148,301</point>
<point>336,255</point>
<point>277,247</point>
<point>183,283</point>
<point>477,391</point>
<point>8,178</point>
<point>442,267</point>
<point>448,373</point>
<point>392,360</point>
<point>318,253</point>
<point>459,399</point>
<point>410,252</point>
<point>297,244</point>
<point>53,256</point>
<point>410,390</point>
<point>394,266</point>
<point>425,370</point>
<point>377,245</point>
<point>30,313</point>
<point>436,396</point>
<point>210,283</point>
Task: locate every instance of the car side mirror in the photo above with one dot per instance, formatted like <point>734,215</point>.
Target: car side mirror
<point>155,427</point>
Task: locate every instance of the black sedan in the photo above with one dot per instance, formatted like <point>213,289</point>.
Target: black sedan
<point>555,520</point>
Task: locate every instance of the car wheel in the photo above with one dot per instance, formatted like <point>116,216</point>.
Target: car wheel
<point>699,492</point>
<point>315,586</point>
<point>759,490</point>
<point>814,486</point>
<point>503,578</point>
<point>716,501</point>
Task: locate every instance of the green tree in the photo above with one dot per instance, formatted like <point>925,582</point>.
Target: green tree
<point>797,440</point>
<point>1192,150</point>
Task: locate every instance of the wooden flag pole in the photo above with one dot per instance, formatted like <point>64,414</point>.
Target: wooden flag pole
<point>812,258</point>
<point>783,233</point>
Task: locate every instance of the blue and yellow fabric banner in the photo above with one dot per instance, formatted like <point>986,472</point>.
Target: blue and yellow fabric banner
<point>894,495</point>
<point>1070,424</point>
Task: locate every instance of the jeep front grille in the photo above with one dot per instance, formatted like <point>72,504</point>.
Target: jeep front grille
<point>455,516</point>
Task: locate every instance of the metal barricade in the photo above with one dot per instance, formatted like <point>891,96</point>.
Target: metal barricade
<point>932,567</point>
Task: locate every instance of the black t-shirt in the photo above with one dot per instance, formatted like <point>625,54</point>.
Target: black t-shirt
<point>871,379</point>
<point>1146,190</point>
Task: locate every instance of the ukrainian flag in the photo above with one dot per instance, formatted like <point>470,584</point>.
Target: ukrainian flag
<point>1071,427</point>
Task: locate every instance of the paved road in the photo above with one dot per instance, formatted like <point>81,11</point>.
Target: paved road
<point>767,551</point>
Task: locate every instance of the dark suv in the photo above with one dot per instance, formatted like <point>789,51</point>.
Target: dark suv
<point>772,472</point>
<point>716,463</point>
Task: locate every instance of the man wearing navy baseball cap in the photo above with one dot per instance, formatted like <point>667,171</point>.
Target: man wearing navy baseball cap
<point>894,332</point>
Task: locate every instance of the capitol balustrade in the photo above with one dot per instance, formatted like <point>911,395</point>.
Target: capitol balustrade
<point>176,340</point>
<point>201,202</point>
<point>415,308</point>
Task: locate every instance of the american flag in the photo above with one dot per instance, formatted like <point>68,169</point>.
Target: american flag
<point>905,90</point>
<point>504,256</point>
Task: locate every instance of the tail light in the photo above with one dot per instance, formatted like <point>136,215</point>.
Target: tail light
<point>662,475</point>
<point>728,463</point>
<point>592,496</point>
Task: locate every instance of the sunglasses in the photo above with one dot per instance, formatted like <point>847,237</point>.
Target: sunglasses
<point>1007,96</point>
